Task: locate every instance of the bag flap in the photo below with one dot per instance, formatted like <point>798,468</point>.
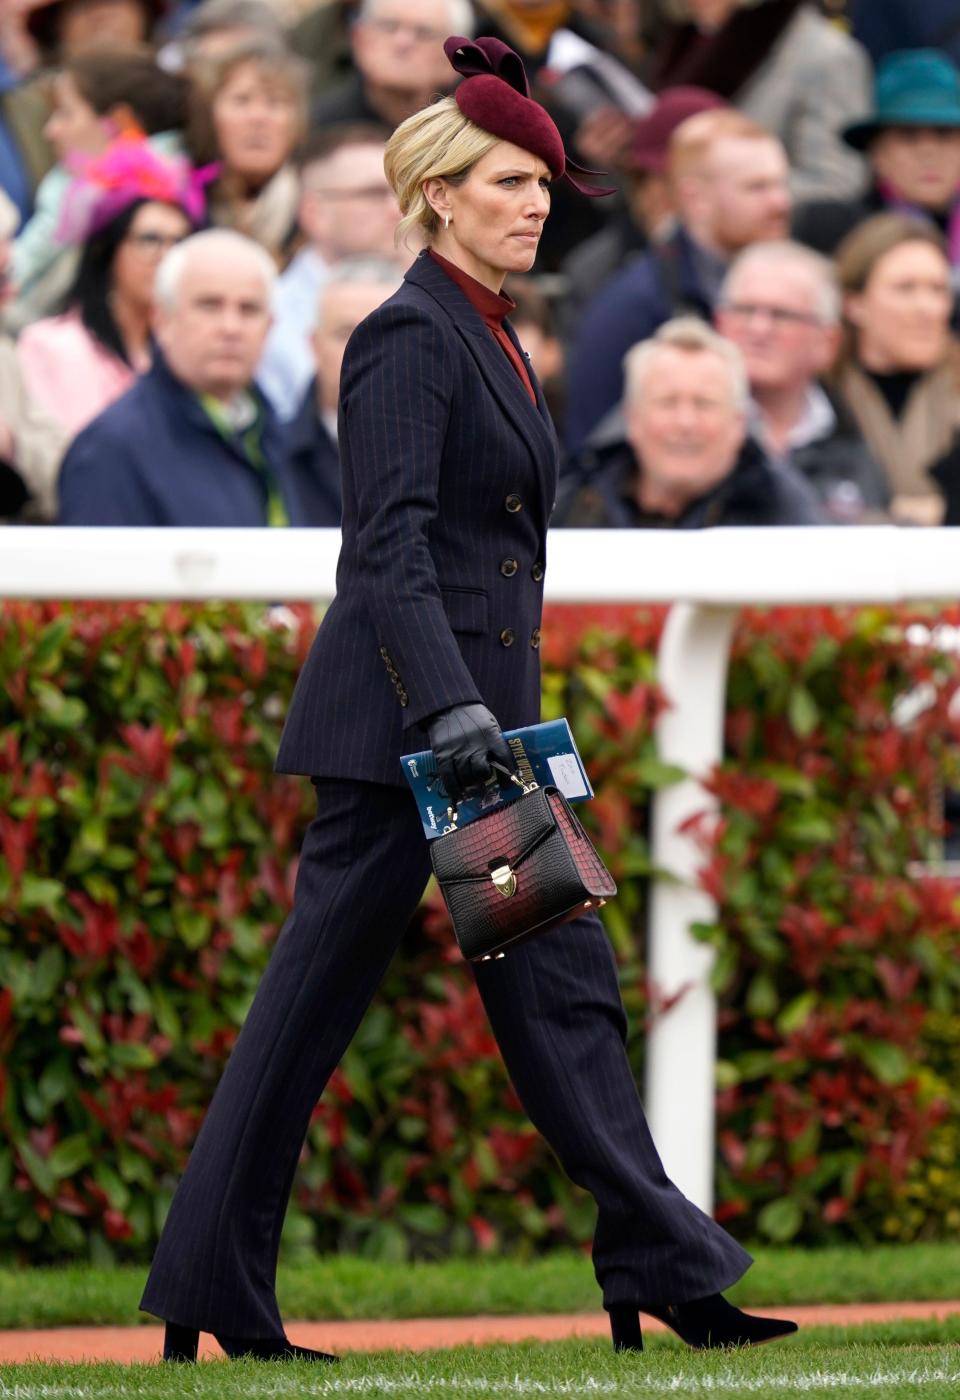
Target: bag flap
<point>505,836</point>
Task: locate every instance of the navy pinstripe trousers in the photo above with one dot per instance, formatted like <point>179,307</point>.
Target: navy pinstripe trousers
<point>555,1008</point>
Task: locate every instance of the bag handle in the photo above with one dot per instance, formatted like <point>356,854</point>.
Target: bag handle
<point>453,811</point>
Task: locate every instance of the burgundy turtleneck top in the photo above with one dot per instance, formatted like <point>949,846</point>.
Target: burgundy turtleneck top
<point>494,308</point>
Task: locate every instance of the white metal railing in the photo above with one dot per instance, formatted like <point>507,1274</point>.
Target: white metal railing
<point>706,575</point>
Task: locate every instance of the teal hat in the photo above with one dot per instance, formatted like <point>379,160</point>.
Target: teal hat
<point>914,87</point>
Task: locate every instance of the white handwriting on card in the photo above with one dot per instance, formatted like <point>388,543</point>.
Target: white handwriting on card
<point>566,773</point>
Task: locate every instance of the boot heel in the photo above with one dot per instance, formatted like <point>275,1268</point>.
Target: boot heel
<point>180,1343</point>
<point>625,1327</point>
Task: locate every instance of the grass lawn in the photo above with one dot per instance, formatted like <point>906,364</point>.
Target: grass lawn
<point>344,1287</point>
<point>906,1360</point>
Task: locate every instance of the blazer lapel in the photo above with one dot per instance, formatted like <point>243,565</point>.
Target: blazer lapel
<point>532,421</point>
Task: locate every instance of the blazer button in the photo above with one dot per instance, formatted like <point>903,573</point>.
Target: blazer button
<point>508,637</point>
<point>513,503</point>
<point>535,638</point>
<point>536,573</point>
<point>509,567</point>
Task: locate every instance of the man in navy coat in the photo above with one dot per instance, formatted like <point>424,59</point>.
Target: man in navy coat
<point>193,442</point>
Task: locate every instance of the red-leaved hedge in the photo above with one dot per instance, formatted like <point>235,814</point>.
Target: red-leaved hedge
<point>147,855</point>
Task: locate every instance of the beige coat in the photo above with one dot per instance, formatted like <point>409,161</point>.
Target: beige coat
<point>39,442</point>
<point>907,447</point>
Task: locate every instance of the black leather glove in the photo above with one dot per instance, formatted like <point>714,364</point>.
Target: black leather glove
<point>464,739</point>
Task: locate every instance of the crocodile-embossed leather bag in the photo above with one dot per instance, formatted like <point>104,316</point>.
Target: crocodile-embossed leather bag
<point>517,870</point>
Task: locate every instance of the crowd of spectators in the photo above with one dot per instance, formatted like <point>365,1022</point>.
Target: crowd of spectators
<point>759,327</point>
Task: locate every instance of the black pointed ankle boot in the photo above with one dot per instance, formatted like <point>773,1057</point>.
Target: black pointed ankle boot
<point>625,1326</point>
<point>708,1323</point>
<point>268,1349</point>
<point>180,1343</point>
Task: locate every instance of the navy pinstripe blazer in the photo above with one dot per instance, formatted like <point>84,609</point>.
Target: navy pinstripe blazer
<point>449,477</point>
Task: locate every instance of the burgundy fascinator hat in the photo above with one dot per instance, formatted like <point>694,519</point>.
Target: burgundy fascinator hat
<point>495,95</point>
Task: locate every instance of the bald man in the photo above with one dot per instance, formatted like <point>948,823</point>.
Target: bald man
<point>194,442</point>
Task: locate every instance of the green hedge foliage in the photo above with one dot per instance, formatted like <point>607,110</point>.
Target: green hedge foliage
<point>147,857</point>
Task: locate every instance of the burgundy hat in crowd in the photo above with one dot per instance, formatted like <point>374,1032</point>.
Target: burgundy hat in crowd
<point>495,95</point>
<point>651,135</point>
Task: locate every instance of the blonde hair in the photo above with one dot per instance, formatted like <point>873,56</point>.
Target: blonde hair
<point>438,142</point>
<point>694,337</point>
<point>694,139</point>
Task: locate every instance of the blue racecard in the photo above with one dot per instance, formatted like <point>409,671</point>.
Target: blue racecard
<point>545,753</point>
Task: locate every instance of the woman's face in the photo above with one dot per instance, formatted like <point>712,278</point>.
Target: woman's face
<point>256,122</point>
<point>73,126</point>
<point>153,231</point>
<point>902,316</point>
<point>496,215</point>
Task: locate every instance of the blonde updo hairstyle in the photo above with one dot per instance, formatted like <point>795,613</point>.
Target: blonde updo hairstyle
<point>438,142</point>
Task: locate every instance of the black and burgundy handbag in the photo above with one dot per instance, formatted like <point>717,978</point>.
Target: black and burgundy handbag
<point>517,871</point>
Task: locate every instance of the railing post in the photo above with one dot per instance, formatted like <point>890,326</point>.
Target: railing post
<point>681,1047</point>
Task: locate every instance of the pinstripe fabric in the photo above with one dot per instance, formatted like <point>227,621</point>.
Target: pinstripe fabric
<point>437,432</point>
<point>555,1008</point>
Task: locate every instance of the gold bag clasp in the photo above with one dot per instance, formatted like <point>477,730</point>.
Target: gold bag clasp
<point>505,880</point>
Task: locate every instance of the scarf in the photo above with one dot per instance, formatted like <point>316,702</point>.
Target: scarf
<point>725,61</point>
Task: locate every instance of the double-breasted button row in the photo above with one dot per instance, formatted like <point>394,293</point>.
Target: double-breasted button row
<point>508,637</point>
<point>536,573</point>
<point>508,567</point>
<point>513,503</point>
<point>535,638</point>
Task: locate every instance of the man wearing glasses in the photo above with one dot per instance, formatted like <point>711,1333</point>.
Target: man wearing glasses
<point>347,210</point>
<point>399,60</point>
<point>780,305</point>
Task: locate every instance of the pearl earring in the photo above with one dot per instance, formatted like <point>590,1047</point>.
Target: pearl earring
<point>446,220</point>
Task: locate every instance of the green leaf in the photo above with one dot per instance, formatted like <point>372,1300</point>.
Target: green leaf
<point>62,711</point>
<point>194,928</point>
<point>129,1055</point>
<point>37,1169</point>
<point>652,772</point>
<point>762,999</point>
<point>780,1220</point>
<point>796,1013</point>
<point>887,1062</point>
<point>56,1081</point>
<point>68,1233</point>
<point>39,893</point>
<point>802,712</point>
<point>46,654</point>
<point>808,828</point>
<point>69,1155</point>
<point>48,973</point>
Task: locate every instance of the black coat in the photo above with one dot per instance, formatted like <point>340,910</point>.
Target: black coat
<point>155,457</point>
<point>449,476</point>
<point>313,463</point>
<point>754,493</point>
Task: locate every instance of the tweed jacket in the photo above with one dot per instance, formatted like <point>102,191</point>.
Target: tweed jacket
<point>449,476</point>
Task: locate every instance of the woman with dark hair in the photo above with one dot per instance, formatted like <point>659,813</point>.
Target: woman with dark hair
<point>127,210</point>
<point>95,97</point>
<point>249,114</point>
